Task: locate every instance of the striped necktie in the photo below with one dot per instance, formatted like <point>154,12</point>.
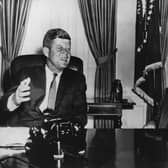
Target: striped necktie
<point>52,94</point>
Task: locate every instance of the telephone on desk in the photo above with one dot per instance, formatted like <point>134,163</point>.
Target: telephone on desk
<point>56,137</point>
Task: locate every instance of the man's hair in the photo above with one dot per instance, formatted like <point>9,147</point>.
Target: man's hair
<point>53,34</point>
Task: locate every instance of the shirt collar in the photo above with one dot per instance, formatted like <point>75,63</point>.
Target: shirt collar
<point>49,71</point>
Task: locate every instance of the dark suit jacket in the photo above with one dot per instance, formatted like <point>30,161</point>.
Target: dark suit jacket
<point>70,101</point>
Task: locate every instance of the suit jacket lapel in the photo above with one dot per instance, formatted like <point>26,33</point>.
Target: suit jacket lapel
<point>42,87</point>
<point>41,82</point>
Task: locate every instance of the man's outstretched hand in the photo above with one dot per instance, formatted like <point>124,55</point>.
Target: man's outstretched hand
<point>22,93</point>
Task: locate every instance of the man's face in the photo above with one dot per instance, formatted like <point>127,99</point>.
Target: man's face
<point>59,53</point>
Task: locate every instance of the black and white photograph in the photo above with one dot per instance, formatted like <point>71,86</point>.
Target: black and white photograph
<point>83,83</point>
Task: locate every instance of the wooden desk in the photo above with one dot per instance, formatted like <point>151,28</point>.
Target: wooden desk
<point>107,115</point>
<point>107,149</point>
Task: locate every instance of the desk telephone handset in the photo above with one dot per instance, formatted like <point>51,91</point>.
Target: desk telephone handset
<point>55,137</point>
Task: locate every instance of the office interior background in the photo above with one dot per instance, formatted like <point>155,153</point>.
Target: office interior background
<point>44,15</point>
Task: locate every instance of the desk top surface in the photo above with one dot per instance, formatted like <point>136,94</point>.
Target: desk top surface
<point>104,149</point>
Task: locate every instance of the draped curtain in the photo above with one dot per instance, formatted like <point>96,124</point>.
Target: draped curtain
<point>164,39</point>
<point>13,21</point>
<point>99,20</point>
<point>164,55</point>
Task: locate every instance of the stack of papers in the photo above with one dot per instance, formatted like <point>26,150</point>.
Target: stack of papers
<point>12,141</point>
<point>13,136</point>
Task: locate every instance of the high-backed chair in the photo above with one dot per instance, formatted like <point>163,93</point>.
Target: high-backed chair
<point>24,61</point>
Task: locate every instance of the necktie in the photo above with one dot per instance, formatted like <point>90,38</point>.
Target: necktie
<point>52,94</point>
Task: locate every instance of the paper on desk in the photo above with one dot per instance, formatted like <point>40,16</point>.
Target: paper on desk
<point>9,152</point>
<point>13,136</point>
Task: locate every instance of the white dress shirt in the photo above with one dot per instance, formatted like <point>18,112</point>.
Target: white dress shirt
<point>49,77</point>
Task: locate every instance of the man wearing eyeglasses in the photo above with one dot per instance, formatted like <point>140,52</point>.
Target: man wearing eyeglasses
<point>28,103</point>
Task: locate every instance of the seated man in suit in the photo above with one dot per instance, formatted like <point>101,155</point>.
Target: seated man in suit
<point>26,102</point>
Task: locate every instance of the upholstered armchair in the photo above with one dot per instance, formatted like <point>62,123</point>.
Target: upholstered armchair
<point>24,61</point>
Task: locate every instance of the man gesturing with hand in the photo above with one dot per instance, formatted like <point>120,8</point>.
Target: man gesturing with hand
<point>26,102</point>
<point>22,94</point>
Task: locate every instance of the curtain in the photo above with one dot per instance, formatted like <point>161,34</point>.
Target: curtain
<point>99,20</point>
<point>13,22</point>
<point>164,55</point>
<point>164,38</point>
